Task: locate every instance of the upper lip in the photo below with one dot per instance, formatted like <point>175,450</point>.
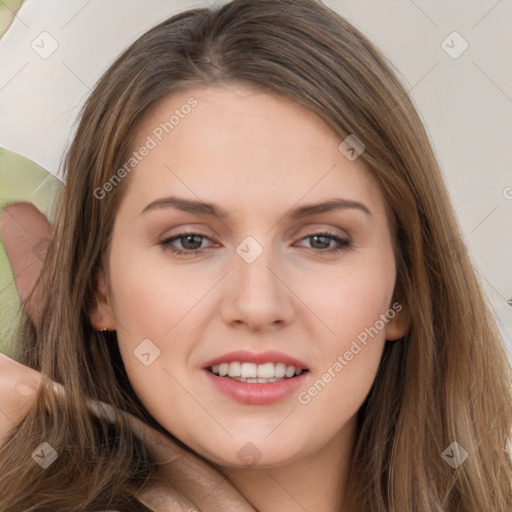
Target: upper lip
<point>245,356</point>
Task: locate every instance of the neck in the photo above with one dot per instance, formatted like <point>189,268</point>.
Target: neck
<point>309,483</point>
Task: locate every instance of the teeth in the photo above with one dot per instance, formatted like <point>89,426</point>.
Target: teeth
<point>280,370</point>
<point>252,372</point>
<point>290,371</point>
<point>249,370</point>
<point>259,381</point>
<point>234,369</point>
<point>266,371</point>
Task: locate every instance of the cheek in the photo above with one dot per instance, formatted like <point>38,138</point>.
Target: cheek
<point>157,302</point>
<point>350,299</point>
<point>152,296</point>
<point>353,305</point>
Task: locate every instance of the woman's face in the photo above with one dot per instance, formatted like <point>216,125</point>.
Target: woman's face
<point>254,280</point>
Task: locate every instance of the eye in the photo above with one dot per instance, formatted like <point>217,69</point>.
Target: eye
<point>324,238</point>
<point>191,243</point>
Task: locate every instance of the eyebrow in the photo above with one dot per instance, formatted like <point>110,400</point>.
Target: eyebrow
<point>212,210</point>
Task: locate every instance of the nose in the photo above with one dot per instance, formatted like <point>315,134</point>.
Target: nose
<point>257,294</point>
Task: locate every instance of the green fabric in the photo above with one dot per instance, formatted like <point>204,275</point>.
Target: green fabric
<point>8,10</point>
<point>20,180</point>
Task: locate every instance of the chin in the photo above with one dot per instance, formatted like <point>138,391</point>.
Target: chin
<point>243,452</point>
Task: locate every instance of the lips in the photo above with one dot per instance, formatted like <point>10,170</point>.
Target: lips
<point>249,393</point>
<point>256,378</point>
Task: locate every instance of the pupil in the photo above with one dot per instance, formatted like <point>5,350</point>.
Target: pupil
<point>191,237</point>
<point>316,238</point>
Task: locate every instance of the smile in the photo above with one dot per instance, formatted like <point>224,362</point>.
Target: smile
<point>255,373</point>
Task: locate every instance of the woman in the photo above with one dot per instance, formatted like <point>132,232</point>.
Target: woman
<point>366,373</point>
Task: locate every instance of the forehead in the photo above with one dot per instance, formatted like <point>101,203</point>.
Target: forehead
<point>234,144</point>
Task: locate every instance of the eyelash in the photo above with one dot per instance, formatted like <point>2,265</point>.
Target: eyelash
<point>345,244</point>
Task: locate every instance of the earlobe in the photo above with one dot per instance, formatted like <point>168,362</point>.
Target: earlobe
<point>102,315</point>
<point>399,323</point>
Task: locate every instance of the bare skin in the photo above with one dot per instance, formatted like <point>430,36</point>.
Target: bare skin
<point>25,233</point>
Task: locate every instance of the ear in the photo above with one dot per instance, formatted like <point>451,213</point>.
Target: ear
<point>101,315</point>
<point>399,314</point>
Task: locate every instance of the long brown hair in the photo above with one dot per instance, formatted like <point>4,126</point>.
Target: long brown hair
<point>447,381</point>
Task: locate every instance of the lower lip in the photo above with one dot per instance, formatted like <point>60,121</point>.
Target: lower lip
<point>256,393</point>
